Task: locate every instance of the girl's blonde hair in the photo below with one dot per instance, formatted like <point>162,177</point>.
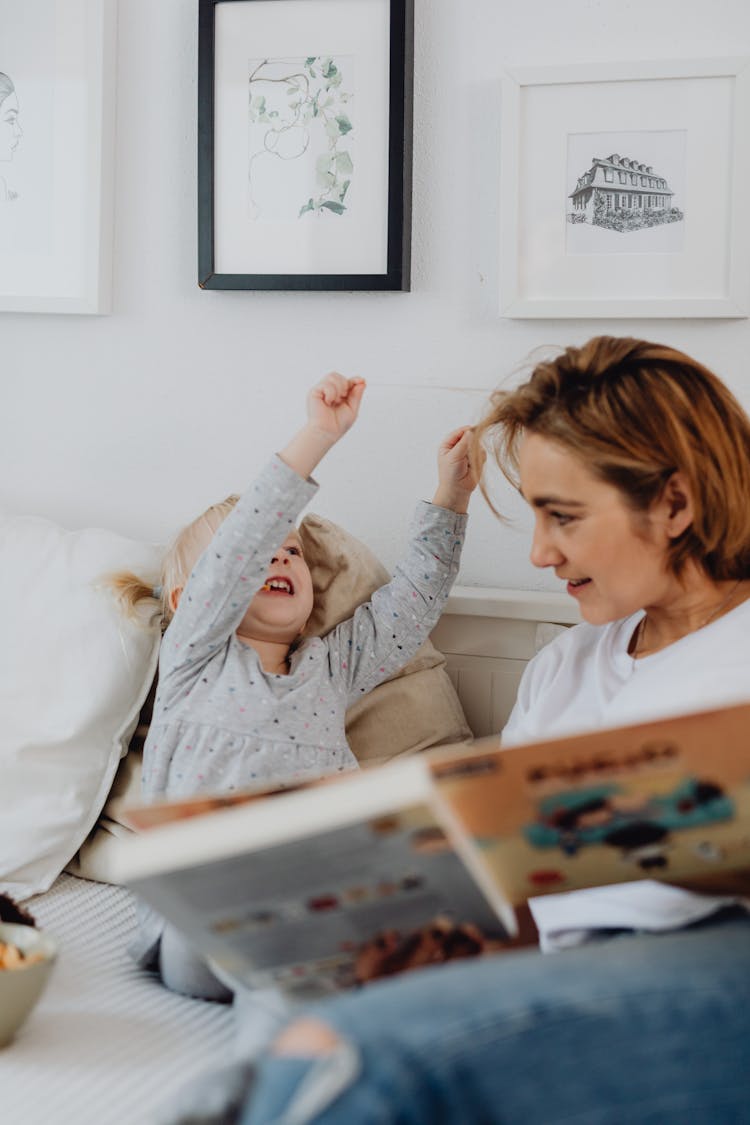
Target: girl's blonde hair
<point>140,599</point>
<point>634,413</point>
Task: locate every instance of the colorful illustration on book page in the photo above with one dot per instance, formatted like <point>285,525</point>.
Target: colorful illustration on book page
<point>298,913</point>
<point>669,801</point>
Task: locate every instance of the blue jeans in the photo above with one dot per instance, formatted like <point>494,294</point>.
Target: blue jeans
<point>635,1030</point>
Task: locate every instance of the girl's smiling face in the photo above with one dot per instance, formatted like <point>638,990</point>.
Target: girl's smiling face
<point>613,558</point>
<point>10,130</point>
<point>281,608</point>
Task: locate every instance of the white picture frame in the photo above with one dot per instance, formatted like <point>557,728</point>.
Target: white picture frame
<point>690,116</point>
<point>57,155</point>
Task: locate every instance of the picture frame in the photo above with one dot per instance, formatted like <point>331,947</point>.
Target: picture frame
<point>305,144</point>
<point>622,190</point>
<point>57,128</point>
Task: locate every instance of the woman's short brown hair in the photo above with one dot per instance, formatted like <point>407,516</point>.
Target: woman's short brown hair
<point>635,413</point>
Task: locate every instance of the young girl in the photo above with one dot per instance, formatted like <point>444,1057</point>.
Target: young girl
<point>243,697</point>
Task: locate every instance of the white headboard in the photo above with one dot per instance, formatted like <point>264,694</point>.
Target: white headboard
<point>488,636</point>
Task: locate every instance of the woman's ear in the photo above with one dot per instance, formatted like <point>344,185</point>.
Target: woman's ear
<point>675,506</point>
<point>174,598</point>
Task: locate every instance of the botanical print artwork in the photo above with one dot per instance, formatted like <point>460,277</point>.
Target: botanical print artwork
<point>625,192</point>
<point>10,130</point>
<point>301,142</point>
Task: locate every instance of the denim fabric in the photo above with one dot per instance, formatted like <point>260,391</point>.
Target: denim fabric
<point>316,1084</point>
<point>638,1030</point>
<point>280,1078</point>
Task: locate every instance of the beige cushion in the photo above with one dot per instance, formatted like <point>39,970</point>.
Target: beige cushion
<point>93,859</point>
<point>416,709</point>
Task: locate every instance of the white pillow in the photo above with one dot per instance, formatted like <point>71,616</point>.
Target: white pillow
<point>73,675</point>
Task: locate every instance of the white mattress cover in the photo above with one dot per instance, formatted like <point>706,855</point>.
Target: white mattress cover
<point>107,1043</point>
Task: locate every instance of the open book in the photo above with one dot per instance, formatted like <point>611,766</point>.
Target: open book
<point>284,887</point>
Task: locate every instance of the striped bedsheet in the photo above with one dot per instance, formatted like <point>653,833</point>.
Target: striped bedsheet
<point>107,1044</point>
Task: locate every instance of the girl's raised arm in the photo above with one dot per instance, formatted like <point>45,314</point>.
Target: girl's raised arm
<point>332,409</point>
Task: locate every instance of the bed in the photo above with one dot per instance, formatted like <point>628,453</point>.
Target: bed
<point>107,1043</point>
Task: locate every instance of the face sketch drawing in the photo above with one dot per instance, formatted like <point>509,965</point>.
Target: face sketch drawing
<point>10,129</point>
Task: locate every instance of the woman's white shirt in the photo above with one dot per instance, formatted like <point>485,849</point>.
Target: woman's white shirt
<point>585,680</point>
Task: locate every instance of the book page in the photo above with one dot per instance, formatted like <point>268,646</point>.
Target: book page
<point>297,914</point>
<point>667,800</point>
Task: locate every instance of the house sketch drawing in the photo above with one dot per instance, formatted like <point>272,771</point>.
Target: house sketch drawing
<point>622,194</point>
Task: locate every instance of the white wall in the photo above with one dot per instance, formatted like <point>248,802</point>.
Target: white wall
<point>139,419</point>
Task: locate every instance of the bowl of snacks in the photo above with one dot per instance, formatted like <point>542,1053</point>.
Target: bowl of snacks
<point>27,956</point>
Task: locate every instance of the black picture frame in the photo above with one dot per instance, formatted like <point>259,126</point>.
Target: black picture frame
<point>227,257</point>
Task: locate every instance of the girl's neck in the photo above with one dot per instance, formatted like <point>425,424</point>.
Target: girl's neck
<point>273,655</point>
<point>695,602</point>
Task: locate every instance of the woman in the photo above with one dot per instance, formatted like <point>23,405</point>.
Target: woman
<point>636,462</point>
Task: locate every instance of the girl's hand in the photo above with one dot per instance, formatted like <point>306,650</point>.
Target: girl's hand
<point>332,408</point>
<point>333,404</point>
<point>457,476</point>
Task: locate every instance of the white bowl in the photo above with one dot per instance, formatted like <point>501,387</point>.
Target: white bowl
<point>21,988</point>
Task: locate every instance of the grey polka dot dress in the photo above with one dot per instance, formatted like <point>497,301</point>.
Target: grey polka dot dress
<point>220,721</point>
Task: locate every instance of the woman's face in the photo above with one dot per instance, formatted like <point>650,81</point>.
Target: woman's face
<point>10,130</point>
<point>612,558</point>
